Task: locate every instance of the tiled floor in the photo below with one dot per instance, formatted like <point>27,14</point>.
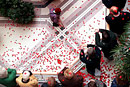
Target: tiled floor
<point>38,48</point>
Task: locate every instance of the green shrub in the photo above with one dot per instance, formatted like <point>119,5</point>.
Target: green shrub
<point>19,11</point>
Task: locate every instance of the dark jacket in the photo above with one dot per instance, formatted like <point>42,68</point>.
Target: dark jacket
<point>118,3</point>
<point>46,85</point>
<point>114,84</point>
<point>117,23</point>
<point>98,83</point>
<point>75,81</point>
<point>93,63</point>
<point>106,46</point>
<point>10,80</point>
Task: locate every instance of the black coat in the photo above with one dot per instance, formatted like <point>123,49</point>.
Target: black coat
<point>117,23</point>
<point>106,47</point>
<point>46,85</point>
<point>93,63</point>
<point>118,3</point>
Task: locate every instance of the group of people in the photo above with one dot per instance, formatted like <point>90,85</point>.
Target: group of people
<point>107,40</point>
<point>116,21</point>
<point>66,77</point>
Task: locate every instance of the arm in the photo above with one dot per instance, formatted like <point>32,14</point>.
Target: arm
<point>98,52</point>
<point>97,40</point>
<point>82,56</point>
<point>12,76</point>
<point>109,19</point>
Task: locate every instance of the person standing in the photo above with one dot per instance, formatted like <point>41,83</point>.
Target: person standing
<point>55,17</point>
<point>70,79</point>
<point>51,83</point>
<point>107,42</point>
<point>27,79</point>
<point>116,20</point>
<point>91,59</point>
<point>7,77</point>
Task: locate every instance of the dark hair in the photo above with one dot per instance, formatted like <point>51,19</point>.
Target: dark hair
<point>105,36</point>
<point>92,84</point>
<point>91,52</point>
<point>28,71</point>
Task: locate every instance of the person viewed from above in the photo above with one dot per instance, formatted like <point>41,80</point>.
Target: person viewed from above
<point>70,79</point>
<point>7,77</point>
<point>55,17</point>
<point>107,42</point>
<point>116,20</point>
<point>91,59</point>
<point>27,79</point>
<point>51,83</point>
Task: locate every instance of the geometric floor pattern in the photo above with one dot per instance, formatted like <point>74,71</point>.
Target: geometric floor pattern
<point>38,48</point>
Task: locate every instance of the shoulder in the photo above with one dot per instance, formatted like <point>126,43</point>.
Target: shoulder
<point>109,18</point>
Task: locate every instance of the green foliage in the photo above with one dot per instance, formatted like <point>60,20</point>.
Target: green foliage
<point>17,10</point>
<point>122,52</point>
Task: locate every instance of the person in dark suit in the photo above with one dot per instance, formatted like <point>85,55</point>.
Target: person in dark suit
<point>118,3</point>
<point>51,83</point>
<point>95,83</point>
<point>92,59</point>
<point>70,79</point>
<point>116,20</point>
<point>108,42</point>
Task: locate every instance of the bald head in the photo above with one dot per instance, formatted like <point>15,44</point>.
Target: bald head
<point>68,73</point>
<point>114,10</point>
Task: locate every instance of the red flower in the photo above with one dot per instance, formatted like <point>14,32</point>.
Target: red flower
<point>59,61</point>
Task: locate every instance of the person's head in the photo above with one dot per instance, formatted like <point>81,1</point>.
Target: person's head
<point>26,74</point>
<point>121,79</point>
<point>92,84</point>
<point>51,81</point>
<point>58,11</point>
<point>114,10</point>
<point>105,35</point>
<point>68,73</point>
<point>3,72</point>
<point>91,52</point>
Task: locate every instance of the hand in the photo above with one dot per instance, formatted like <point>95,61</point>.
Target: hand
<point>96,30</point>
